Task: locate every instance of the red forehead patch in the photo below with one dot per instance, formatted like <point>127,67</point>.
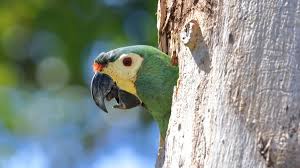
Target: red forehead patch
<point>97,67</point>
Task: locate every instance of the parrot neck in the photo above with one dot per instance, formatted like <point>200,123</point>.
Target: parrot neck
<point>155,82</point>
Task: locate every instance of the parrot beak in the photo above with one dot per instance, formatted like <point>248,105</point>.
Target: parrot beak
<point>100,87</point>
<point>103,87</point>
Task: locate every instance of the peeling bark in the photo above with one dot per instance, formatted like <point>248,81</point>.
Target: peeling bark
<point>237,102</point>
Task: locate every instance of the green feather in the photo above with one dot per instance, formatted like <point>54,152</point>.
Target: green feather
<point>155,84</point>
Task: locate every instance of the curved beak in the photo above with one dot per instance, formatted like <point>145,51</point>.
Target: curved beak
<point>103,87</point>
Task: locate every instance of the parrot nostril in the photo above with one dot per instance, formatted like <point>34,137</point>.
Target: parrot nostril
<point>97,67</point>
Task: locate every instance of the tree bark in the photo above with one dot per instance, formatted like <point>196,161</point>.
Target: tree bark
<point>237,101</point>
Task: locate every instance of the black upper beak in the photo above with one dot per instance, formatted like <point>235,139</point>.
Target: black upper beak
<point>103,87</point>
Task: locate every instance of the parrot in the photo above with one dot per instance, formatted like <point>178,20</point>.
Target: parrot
<point>138,75</point>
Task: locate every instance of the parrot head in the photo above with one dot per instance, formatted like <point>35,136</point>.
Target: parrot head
<point>115,75</point>
<point>134,76</point>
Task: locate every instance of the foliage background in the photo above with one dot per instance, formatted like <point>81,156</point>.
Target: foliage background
<point>47,117</point>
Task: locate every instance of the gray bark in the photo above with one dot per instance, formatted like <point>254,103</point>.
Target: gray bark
<point>237,102</point>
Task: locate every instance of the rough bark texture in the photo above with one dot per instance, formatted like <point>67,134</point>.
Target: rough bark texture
<point>237,103</point>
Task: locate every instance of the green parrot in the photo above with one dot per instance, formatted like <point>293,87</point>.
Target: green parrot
<point>136,75</point>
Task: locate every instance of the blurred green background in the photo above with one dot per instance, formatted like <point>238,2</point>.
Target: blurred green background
<point>47,116</point>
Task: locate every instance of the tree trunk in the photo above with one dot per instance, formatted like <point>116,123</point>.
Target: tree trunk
<point>237,102</point>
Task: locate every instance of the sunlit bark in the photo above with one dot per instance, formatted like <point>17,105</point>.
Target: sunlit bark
<point>237,103</point>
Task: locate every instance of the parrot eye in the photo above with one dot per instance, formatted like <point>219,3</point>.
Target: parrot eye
<point>127,61</point>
